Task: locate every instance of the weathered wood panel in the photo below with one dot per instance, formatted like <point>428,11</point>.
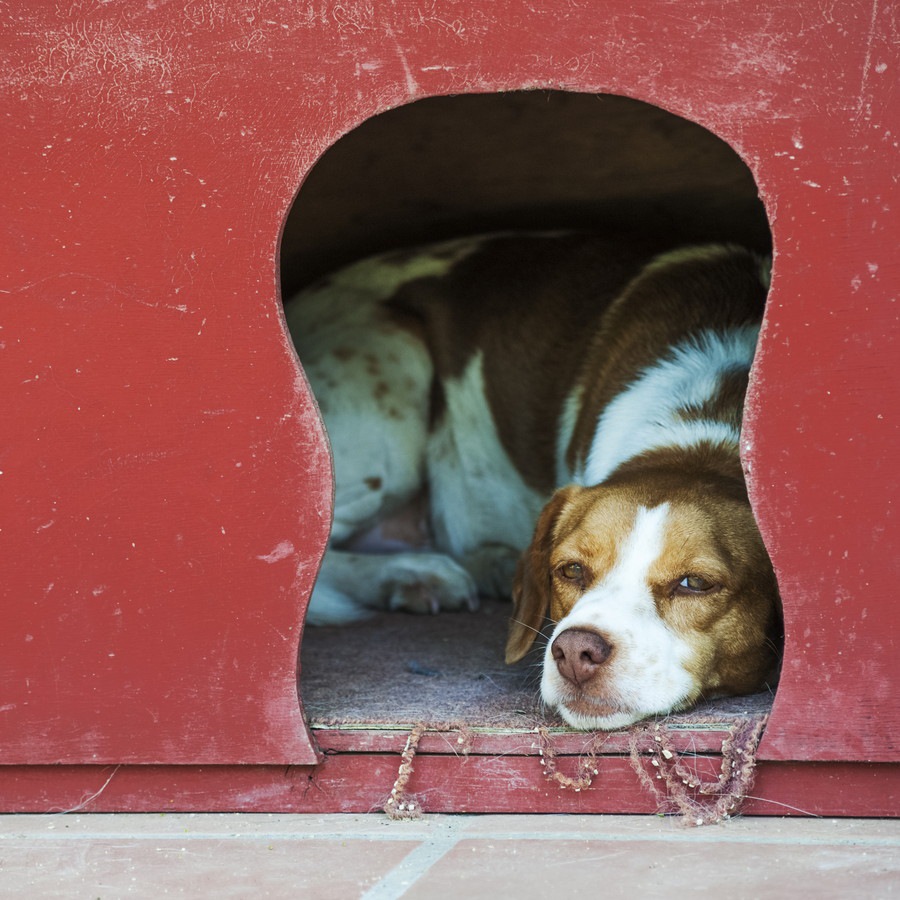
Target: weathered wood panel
<point>362,783</point>
<point>165,486</point>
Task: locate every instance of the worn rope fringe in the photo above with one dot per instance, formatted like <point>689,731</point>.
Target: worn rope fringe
<point>699,802</point>
<point>685,792</point>
<point>587,762</point>
<point>397,805</point>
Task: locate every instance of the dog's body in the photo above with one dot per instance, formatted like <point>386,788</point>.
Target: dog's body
<point>466,382</point>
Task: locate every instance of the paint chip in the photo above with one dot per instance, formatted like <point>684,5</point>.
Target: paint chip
<point>281,551</point>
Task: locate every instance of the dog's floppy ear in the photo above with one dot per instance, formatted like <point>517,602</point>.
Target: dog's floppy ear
<point>531,586</point>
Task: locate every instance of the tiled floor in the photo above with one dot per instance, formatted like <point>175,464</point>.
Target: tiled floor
<point>442,857</point>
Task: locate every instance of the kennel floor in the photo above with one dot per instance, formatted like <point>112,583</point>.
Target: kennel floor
<point>367,686</point>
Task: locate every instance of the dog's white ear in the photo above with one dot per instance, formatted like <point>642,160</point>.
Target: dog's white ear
<point>531,585</point>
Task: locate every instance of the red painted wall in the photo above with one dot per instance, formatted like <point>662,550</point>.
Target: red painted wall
<point>165,483</point>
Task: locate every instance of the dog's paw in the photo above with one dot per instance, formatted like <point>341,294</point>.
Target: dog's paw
<point>429,583</point>
<point>332,607</point>
<point>493,567</point>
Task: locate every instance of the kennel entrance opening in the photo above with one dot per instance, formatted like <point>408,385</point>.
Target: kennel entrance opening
<point>452,166</point>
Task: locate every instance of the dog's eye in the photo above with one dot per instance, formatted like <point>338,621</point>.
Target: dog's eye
<point>694,584</point>
<point>573,571</point>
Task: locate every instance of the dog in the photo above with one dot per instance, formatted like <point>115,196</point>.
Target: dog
<point>556,417</point>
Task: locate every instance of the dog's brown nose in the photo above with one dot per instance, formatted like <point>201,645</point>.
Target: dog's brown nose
<point>579,654</point>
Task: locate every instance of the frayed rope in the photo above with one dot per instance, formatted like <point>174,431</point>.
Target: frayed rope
<point>677,788</point>
<point>684,791</point>
<point>587,763</point>
<point>699,802</point>
<point>398,805</point>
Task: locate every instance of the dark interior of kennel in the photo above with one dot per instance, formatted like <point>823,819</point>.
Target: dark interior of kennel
<point>450,166</point>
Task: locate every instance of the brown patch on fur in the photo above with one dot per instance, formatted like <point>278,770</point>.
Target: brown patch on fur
<point>731,630</point>
<point>658,310</point>
<point>725,405</point>
<point>373,482</point>
<point>531,592</point>
<point>716,467</point>
<point>590,530</point>
<point>373,364</point>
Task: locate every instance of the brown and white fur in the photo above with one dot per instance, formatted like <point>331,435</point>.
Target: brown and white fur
<point>466,382</point>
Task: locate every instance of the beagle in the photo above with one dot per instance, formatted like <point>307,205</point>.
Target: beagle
<point>555,416</point>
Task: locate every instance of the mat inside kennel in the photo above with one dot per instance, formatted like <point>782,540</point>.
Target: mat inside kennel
<point>447,672</point>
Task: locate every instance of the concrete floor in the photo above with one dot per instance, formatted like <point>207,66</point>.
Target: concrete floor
<point>437,857</point>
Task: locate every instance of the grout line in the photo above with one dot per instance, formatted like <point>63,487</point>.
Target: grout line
<point>714,835</point>
<point>414,865</point>
<point>687,836</point>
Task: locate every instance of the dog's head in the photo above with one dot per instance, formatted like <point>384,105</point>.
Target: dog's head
<point>661,592</point>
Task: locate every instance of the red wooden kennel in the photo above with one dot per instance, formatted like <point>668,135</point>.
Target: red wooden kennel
<point>165,481</point>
